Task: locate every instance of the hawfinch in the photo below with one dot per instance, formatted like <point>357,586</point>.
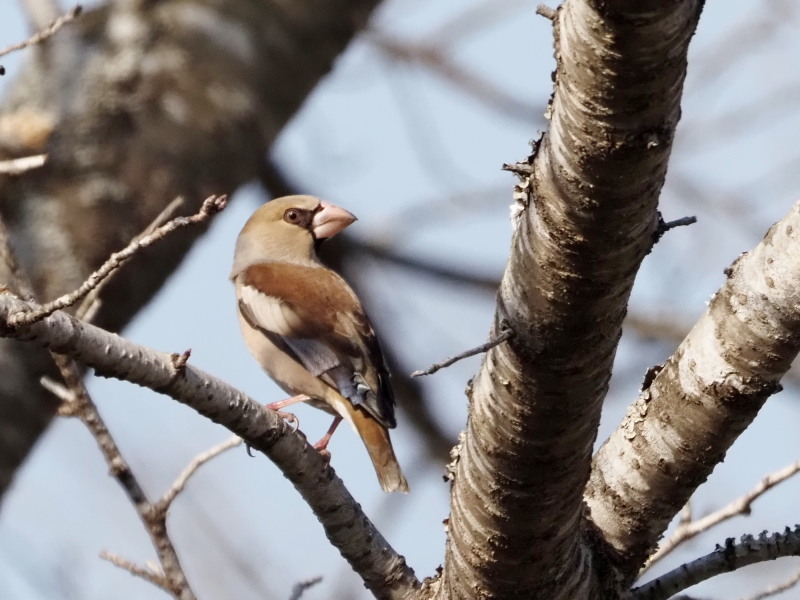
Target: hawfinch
<point>306,327</point>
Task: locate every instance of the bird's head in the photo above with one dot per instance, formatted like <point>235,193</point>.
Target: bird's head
<point>286,229</point>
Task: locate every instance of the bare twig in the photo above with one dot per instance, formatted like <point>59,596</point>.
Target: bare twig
<point>49,31</point>
<point>299,588</point>
<point>495,341</point>
<point>81,405</point>
<point>664,226</point>
<point>211,206</point>
<point>147,573</point>
<point>732,556</point>
<point>197,462</point>
<point>91,303</point>
<point>776,589</point>
<point>40,13</point>
<point>687,529</point>
<point>166,214</point>
<point>18,166</point>
<point>546,12</point>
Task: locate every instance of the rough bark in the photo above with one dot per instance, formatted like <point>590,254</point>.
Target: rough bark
<point>586,218</point>
<point>705,396</point>
<point>135,104</point>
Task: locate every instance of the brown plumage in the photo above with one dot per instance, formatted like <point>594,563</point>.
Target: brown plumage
<point>306,327</point>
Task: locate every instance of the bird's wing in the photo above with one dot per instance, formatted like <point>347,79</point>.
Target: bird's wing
<point>312,313</point>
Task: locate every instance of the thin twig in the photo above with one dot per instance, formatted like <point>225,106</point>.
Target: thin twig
<point>146,573</point>
<point>40,13</point>
<point>166,214</point>
<point>546,12</point>
<point>686,530</point>
<point>18,166</point>
<point>776,589</point>
<point>664,226</point>
<point>299,588</point>
<point>45,33</point>
<point>211,206</point>
<point>83,407</point>
<point>91,303</point>
<point>495,341</point>
<point>197,462</point>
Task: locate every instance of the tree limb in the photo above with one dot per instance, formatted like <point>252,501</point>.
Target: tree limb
<point>706,395</point>
<point>750,550</point>
<point>585,217</point>
<point>384,572</point>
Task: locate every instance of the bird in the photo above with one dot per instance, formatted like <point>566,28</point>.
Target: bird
<point>307,329</point>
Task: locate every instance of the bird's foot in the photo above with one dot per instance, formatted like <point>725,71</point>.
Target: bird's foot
<point>288,417</point>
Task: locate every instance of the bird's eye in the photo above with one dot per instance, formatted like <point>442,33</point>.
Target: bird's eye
<point>292,216</point>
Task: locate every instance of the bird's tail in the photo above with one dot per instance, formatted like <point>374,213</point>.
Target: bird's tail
<point>379,446</point>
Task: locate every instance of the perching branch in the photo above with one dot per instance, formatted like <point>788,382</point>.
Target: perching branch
<point>384,571</point>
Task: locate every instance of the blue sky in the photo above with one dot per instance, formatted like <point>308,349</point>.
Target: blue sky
<point>419,163</point>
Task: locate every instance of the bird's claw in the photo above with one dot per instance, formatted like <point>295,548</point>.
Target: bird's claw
<point>289,418</point>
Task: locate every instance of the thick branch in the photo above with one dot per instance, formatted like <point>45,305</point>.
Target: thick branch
<point>384,572</point>
<point>585,220</point>
<point>707,394</point>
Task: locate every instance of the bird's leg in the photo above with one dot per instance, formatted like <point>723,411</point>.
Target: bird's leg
<point>288,402</point>
<point>322,445</point>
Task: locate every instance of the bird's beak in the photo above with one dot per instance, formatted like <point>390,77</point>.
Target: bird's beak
<point>330,220</point>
